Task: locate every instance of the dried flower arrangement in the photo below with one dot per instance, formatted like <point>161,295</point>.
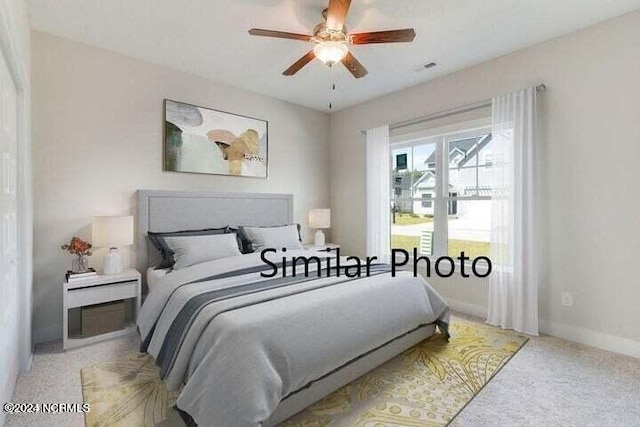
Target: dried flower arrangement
<point>81,249</point>
<point>77,246</point>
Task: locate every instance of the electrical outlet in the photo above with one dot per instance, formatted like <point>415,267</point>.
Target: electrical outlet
<point>567,299</point>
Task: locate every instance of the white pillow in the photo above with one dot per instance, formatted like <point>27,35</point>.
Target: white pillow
<point>272,237</point>
<point>191,250</point>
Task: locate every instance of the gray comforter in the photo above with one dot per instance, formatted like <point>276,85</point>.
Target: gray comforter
<point>241,343</point>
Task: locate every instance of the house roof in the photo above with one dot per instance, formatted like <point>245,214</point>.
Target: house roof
<point>470,147</point>
<point>424,177</point>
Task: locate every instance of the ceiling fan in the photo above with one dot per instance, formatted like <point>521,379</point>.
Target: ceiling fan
<point>333,41</point>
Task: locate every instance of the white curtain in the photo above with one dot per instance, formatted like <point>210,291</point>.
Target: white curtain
<point>378,193</point>
<point>513,284</point>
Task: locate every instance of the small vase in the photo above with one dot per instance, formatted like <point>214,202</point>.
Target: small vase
<point>80,264</point>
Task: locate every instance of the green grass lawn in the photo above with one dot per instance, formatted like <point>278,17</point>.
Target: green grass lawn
<point>405,219</point>
<point>470,248</point>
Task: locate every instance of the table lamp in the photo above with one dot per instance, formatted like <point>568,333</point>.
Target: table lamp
<point>112,232</point>
<point>319,219</point>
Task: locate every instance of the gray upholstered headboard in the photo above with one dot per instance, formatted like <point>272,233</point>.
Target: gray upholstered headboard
<point>160,210</point>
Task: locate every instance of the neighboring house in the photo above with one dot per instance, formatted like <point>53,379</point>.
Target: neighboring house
<point>425,189</point>
<point>470,173</point>
<point>402,192</point>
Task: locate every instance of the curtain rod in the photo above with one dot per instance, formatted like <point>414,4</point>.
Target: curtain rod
<point>442,114</point>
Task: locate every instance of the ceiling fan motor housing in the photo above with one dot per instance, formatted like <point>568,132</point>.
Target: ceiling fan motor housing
<point>323,34</point>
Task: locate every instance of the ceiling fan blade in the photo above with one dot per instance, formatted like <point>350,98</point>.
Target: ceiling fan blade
<point>392,36</point>
<point>337,13</point>
<point>279,34</point>
<point>354,66</point>
<point>299,64</point>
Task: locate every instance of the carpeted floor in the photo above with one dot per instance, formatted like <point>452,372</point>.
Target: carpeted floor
<point>549,382</point>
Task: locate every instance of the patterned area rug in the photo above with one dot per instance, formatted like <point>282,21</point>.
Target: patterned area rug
<point>125,392</point>
<point>425,386</point>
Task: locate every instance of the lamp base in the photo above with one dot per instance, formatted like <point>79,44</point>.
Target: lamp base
<point>319,239</point>
<point>113,262</point>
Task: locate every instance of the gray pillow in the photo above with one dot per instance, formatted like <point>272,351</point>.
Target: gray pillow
<point>191,250</point>
<point>255,239</point>
<point>158,241</point>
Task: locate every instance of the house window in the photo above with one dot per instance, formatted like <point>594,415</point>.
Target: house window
<point>401,161</point>
<point>452,204</point>
<point>426,200</point>
<point>444,202</point>
<point>488,160</point>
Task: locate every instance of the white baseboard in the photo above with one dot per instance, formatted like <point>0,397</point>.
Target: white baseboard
<point>47,333</point>
<point>608,342</point>
<point>467,308</point>
<point>593,338</point>
<point>26,364</point>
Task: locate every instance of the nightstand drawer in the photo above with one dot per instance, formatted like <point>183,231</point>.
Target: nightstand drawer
<point>103,293</point>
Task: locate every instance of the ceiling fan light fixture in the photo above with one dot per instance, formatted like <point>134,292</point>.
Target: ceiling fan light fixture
<point>333,41</point>
<point>330,52</point>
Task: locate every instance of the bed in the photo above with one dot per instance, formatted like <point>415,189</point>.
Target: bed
<point>153,274</point>
<point>245,350</point>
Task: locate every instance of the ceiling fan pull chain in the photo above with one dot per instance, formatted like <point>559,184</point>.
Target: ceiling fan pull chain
<point>332,87</point>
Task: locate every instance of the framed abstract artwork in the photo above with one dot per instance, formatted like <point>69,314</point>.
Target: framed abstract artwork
<point>202,140</point>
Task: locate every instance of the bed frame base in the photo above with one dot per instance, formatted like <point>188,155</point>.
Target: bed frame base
<point>299,401</point>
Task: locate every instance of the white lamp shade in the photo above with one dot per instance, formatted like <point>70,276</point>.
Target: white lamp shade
<point>112,231</point>
<point>320,218</point>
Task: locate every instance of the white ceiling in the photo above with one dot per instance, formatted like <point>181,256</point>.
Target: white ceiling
<point>209,37</point>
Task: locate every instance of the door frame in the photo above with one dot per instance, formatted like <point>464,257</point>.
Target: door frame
<point>10,47</point>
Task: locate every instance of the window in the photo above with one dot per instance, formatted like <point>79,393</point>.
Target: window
<point>401,161</point>
<point>412,195</point>
<point>452,205</point>
<point>441,200</point>
<point>426,200</point>
<point>488,159</point>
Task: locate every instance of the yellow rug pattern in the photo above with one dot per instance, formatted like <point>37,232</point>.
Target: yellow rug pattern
<point>125,392</point>
<point>425,386</point>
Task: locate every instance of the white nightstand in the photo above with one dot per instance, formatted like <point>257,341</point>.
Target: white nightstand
<point>327,247</point>
<point>97,290</point>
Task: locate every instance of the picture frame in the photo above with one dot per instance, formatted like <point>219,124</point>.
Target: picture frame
<point>208,141</point>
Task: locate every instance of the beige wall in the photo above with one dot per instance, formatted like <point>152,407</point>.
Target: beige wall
<point>97,122</point>
<point>591,145</point>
